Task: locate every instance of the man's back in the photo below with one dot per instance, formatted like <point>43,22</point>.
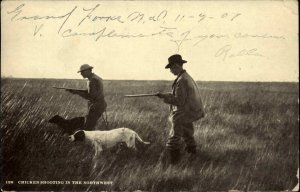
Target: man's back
<point>95,89</point>
<point>193,106</point>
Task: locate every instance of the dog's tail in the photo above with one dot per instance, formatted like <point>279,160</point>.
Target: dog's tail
<point>138,137</point>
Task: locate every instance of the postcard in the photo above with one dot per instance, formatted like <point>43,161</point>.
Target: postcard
<point>149,95</point>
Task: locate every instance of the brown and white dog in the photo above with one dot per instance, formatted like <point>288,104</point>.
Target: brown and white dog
<point>107,139</point>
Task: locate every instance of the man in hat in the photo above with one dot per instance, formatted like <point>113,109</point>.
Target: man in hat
<point>94,95</point>
<point>185,106</point>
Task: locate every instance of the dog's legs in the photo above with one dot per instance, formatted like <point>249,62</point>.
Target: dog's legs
<point>120,146</point>
<point>98,149</point>
<point>131,142</point>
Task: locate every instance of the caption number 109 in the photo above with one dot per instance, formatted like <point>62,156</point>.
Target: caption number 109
<point>9,182</point>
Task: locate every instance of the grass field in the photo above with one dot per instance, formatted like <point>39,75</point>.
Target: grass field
<point>249,138</point>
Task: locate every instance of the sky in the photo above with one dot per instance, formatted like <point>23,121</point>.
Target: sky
<point>220,40</point>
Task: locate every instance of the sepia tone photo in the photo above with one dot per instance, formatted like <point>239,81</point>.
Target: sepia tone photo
<point>149,96</point>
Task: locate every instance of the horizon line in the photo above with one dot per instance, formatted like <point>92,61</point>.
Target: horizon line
<point>151,80</point>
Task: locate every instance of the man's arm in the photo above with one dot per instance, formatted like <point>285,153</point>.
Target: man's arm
<point>95,88</point>
<point>82,93</point>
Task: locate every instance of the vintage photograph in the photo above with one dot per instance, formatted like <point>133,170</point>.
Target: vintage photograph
<point>149,95</point>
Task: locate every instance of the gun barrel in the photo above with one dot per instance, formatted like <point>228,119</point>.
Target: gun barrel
<point>141,95</point>
<point>68,88</point>
<point>59,87</point>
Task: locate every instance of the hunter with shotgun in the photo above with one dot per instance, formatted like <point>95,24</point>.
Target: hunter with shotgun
<point>94,94</point>
<point>185,107</point>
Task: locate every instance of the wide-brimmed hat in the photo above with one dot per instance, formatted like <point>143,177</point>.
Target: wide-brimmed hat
<point>175,59</point>
<point>85,67</point>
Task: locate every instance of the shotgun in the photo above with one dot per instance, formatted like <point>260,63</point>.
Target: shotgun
<point>70,89</point>
<point>144,95</point>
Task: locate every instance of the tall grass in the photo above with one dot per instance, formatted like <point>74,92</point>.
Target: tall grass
<point>247,141</point>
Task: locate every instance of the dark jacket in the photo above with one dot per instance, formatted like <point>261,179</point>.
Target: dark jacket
<point>185,101</point>
<point>94,94</point>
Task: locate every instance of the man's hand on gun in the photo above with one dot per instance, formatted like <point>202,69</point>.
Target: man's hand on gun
<point>160,95</point>
<point>71,91</point>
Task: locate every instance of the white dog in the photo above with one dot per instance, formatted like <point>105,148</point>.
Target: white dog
<point>107,139</point>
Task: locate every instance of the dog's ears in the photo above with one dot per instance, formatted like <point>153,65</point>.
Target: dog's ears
<point>51,120</point>
<point>57,117</point>
<point>79,135</point>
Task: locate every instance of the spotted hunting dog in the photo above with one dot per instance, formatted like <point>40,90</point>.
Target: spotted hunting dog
<point>107,139</point>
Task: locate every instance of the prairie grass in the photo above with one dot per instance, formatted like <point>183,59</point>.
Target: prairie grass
<point>247,141</point>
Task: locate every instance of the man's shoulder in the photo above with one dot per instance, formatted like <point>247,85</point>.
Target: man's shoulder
<point>184,77</point>
<point>96,78</point>
<point>187,76</point>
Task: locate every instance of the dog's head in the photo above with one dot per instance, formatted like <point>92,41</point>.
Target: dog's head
<point>77,136</point>
<point>56,119</point>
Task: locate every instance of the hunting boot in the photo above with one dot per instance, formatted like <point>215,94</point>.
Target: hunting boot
<point>163,159</point>
<point>173,156</point>
<point>169,157</point>
<point>191,150</point>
